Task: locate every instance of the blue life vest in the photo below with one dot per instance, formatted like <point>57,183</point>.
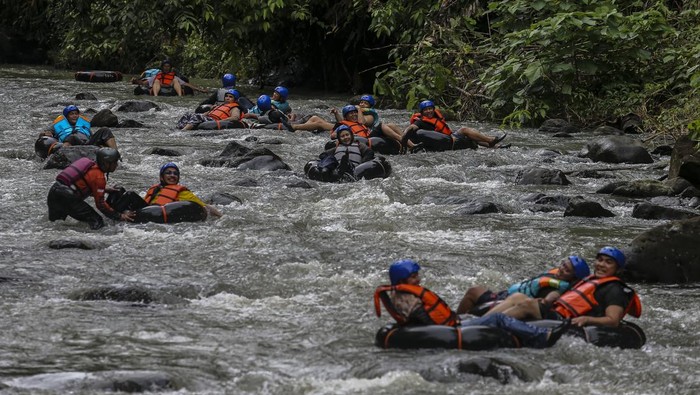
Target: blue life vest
<point>62,128</point>
<point>282,106</point>
<point>150,73</point>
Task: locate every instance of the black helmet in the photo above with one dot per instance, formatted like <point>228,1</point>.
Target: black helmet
<point>45,145</point>
<point>106,156</point>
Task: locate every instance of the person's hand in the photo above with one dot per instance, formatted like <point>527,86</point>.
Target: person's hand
<point>581,321</point>
<point>127,216</point>
<point>334,111</point>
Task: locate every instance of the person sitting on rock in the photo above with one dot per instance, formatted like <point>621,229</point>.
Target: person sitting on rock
<point>411,304</point>
<point>71,128</point>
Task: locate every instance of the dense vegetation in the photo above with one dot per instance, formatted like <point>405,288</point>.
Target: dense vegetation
<point>516,61</point>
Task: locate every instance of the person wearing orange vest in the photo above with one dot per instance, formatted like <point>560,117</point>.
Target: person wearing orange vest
<point>167,78</point>
<point>169,190</point>
<point>81,179</point>
<point>229,111</point>
<point>411,304</point>
<point>430,118</point>
<point>549,285</point>
<point>599,299</point>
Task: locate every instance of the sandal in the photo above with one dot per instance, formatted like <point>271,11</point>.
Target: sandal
<point>497,140</point>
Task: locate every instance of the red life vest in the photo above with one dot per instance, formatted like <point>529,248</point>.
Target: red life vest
<point>166,79</point>
<point>222,111</point>
<point>581,298</point>
<point>357,128</point>
<point>434,306</point>
<point>436,123</point>
<point>166,194</point>
<point>75,171</point>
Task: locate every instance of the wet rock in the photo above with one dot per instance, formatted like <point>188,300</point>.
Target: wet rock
<point>591,174</point>
<point>618,149</point>
<point>235,149</point>
<point>104,118</point>
<point>637,188</point>
<point>608,131</point>
<point>477,208</point>
<point>558,126</point>
<point>541,177</point>
<point>138,106</point>
<point>106,381</point>
<point>257,159</point>
<point>131,294</point>
<point>662,150</point>
<point>628,123</point>
<point>163,152</point>
<point>224,199</point>
<point>584,208</point>
<point>562,135</point>
<point>300,184</point>
<point>442,200</point>
<point>130,123</point>
<point>73,243</point>
<point>668,253</point>
<point>556,200</point>
<point>251,139</point>
<point>66,155</point>
<point>85,96</point>
<point>505,371</point>
<point>685,161</point>
<point>652,211</point>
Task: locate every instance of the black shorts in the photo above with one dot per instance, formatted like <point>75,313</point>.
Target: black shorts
<point>490,296</point>
<point>548,314</point>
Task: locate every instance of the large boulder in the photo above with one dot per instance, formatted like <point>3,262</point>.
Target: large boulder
<point>685,161</point>
<point>618,149</point>
<point>66,155</point>
<point>668,253</point>
<point>138,106</point>
<point>585,208</point>
<point>541,177</point>
<point>638,188</point>
<point>104,118</point>
<point>256,159</point>
<point>653,211</point>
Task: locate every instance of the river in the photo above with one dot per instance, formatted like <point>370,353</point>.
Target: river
<point>276,296</point>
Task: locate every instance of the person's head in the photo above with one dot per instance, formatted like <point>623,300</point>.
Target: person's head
<point>426,108</point>
<point>367,101</point>
<point>228,80</point>
<point>573,268</point>
<point>169,174</point>
<point>344,134</point>
<point>71,113</point>
<point>166,65</point>
<point>264,103</point>
<point>404,271</point>
<point>280,93</point>
<point>350,112</point>
<point>45,145</point>
<point>107,159</point>
<point>608,262</point>
<point>231,95</point>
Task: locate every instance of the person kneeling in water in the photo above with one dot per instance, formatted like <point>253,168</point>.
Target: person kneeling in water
<point>405,299</point>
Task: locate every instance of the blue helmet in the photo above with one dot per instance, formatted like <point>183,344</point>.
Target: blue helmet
<point>69,109</point>
<point>369,99</point>
<point>615,254</point>
<point>164,62</point>
<point>348,109</point>
<point>228,80</point>
<point>284,92</point>
<point>581,269</point>
<point>425,104</point>
<point>236,94</point>
<point>169,165</point>
<point>264,103</point>
<point>340,129</point>
<point>402,269</point>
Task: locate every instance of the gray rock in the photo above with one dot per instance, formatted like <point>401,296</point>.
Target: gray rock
<point>558,126</point>
<point>652,211</point>
<point>85,96</point>
<point>66,155</point>
<point>587,209</point>
<point>505,371</point>
<point>104,118</point>
<point>618,149</point>
<point>224,199</point>
<point>138,106</point>
<point>163,152</point>
<point>541,177</point>
<point>685,161</point>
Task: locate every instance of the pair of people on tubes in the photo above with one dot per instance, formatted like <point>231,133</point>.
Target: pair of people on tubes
<point>569,293</point>
<point>85,177</point>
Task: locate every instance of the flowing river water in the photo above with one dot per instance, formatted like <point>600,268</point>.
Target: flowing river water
<point>276,296</point>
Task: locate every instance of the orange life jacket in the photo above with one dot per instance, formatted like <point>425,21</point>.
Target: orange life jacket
<point>166,79</point>
<point>357,128</point>
<point>581,298</point>
<point>222,111</point>
<point>436,123</point>
<point>434,306</point>
<point>165,194</point>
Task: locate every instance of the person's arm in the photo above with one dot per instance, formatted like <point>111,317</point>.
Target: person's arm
<point>366,152</point>
<point>337,115</point>
<point>98,184</point>
<point>613,316</point>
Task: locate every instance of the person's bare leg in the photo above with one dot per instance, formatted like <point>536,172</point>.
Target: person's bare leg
<point>470,298</point>
<point>111,143</point>
<point>314,123</point>
<point>156,87</point>
<point>177,87</point>
<point>511,301</point>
